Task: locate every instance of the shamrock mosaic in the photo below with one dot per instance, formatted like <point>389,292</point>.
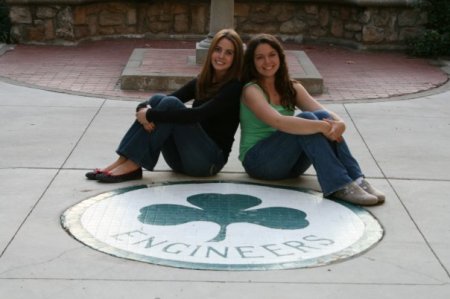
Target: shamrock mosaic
<point>223,209</point>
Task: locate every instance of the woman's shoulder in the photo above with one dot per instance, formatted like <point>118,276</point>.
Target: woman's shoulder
<point>251,83</point>
<point>192,82</point>
<point>253,92</point>
<point>190,85</point>
<point>251,87</point>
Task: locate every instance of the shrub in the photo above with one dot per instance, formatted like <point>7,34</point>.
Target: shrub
<point>435,40</point>
<point>430,44</point>
<point>438,15</point>
<point>5,24</point>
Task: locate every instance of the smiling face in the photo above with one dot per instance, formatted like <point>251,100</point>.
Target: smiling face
<point>266,60</point>
<point>222,57</point>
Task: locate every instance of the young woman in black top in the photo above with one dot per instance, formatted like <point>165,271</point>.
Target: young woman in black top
<point>194,141</point>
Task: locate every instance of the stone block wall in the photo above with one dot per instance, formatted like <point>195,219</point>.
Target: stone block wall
<point>358,26</point>
<point>360,23</point>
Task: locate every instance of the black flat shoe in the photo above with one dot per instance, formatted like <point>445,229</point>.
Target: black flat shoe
<point>109,178</point>
<point>92,175</point>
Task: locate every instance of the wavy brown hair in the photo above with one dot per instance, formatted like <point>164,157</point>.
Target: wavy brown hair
<point>283,83</point>
<point>206,87</point>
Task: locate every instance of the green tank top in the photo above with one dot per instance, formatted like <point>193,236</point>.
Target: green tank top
<point>253,129</point>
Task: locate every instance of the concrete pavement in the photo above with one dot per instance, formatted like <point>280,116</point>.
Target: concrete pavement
<point>49,140</point>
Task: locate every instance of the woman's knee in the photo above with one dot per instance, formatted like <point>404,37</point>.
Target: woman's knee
<point>307,115</point>
<point>156,99</point>
<point>315,115</point>
<point>322,114</point>
<point>164,102</point>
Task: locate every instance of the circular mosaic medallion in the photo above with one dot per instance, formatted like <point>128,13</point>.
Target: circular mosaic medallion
<point>222,226</point>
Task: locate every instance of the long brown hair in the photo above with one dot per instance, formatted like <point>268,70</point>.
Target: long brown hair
<point>205,85</point>
<point>283,83</point>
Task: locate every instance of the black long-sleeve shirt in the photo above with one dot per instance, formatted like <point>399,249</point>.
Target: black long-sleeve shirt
<point>218,115</point>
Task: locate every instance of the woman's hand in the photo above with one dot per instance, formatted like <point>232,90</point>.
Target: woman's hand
<point>141,117</point>
<point>336,131</point>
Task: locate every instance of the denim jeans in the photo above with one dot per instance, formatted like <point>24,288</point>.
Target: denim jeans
<point>283,155</point>
<point>185,147</point>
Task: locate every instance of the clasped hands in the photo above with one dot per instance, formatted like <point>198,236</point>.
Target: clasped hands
<point>336,130</point>
<point>141,117</point>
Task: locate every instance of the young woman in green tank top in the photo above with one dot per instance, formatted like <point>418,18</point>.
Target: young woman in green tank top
<point>277,144</point>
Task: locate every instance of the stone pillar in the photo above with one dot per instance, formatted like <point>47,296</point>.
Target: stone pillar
<point>221,16</point>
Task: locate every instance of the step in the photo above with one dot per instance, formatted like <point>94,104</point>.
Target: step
<point>169,69</point>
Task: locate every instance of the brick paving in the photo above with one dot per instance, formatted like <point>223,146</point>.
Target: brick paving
<point>353,75</point>
<point>94,68</point>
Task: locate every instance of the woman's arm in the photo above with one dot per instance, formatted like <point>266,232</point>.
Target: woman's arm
<point>184,94</point>
<point>227,96</point>
<point>306,102</point>
<point>255,100</point>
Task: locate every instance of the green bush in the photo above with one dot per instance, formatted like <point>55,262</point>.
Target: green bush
<point>438,15</point>
<point>430,44</point>
<point>435,40</point>
<point>5,24</point>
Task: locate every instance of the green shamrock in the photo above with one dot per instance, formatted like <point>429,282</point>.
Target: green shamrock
<point>223,209</point>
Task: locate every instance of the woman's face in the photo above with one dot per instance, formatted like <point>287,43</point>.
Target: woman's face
<point>266,60</point>
<point>222,56</point>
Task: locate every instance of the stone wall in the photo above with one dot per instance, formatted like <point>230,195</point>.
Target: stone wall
<point>359,23</point>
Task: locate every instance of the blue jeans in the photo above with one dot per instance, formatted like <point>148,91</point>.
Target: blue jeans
<point>283,155</point>
<point>185,147</point>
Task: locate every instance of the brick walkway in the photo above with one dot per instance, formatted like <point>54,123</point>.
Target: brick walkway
<point>94,68</point>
